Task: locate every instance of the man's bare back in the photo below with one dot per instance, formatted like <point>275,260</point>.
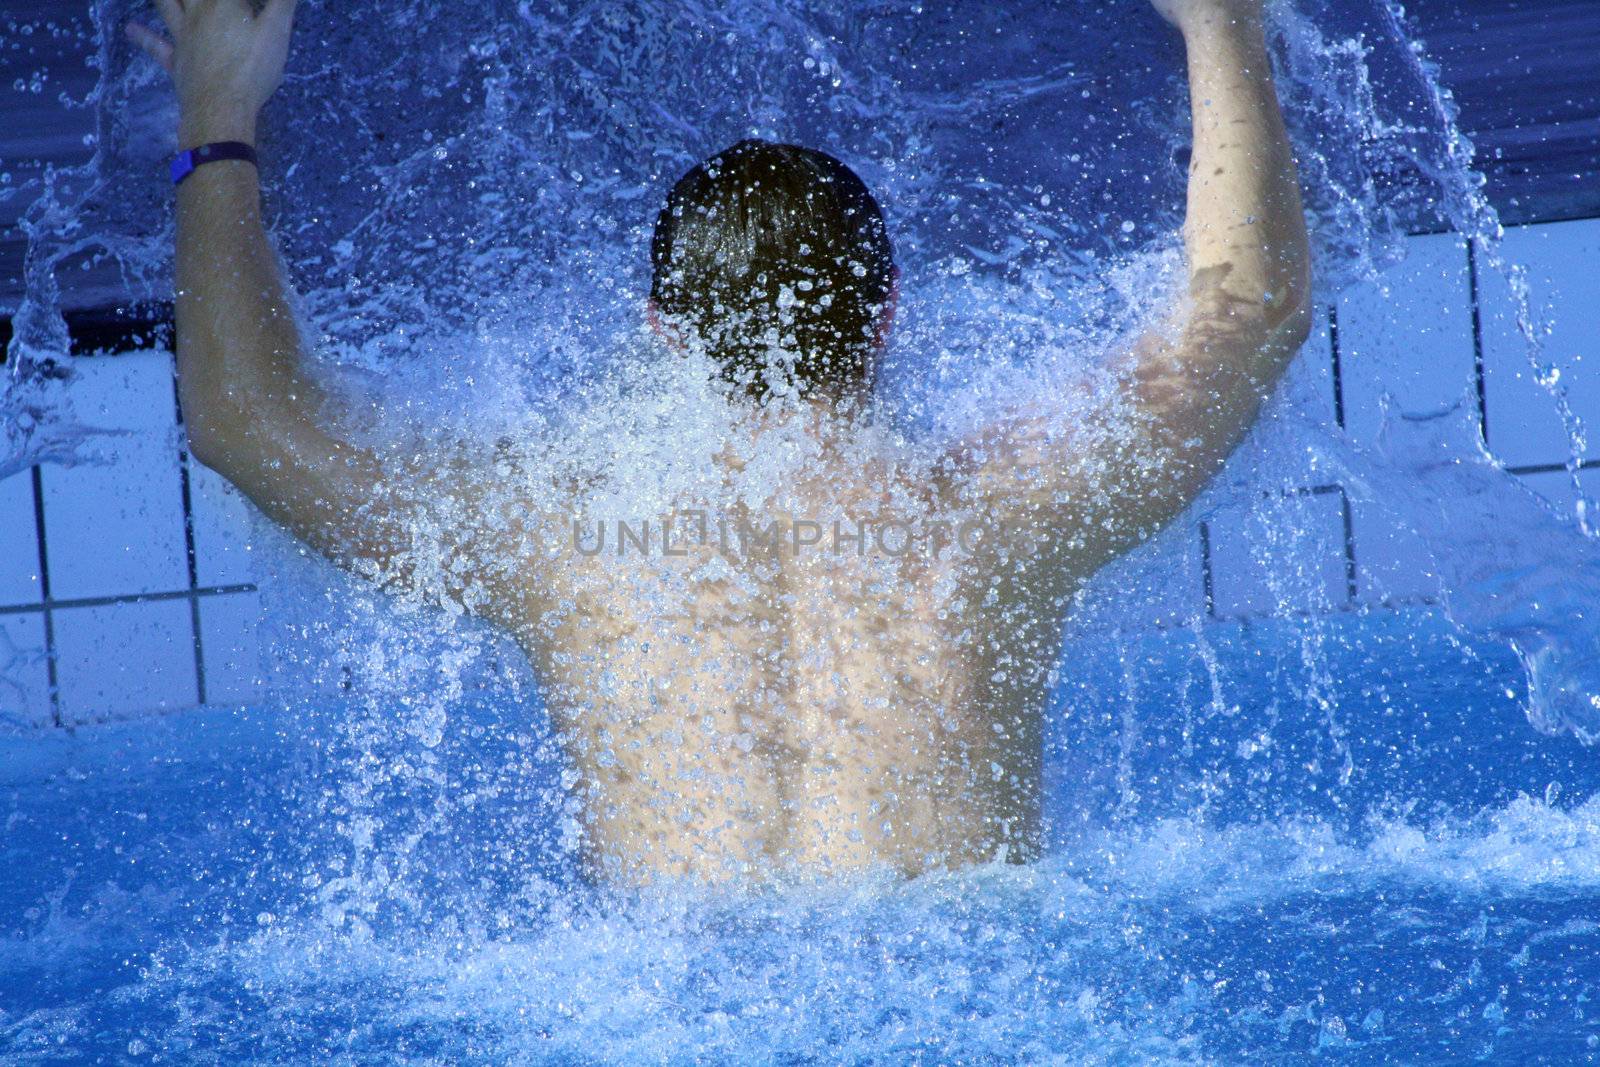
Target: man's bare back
<point>750,711</point>
<point>816,684</point>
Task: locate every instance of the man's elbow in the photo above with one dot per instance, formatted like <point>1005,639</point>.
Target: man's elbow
<point>1289,321</point>
<point>1297,303</point>
<point>1297,324</point>
<point>207,442</point>
<point>205,453</point>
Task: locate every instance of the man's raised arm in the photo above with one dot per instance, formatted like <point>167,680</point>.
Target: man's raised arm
<point>250,411</point>
<point>1202,381</point>
<point>1190,387</point>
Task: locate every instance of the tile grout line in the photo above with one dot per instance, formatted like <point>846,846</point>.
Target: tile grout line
<point>1431,231</point>
<point>1552,468</point>
<point>51,677</point>
<point>1338,365</point>
<point>1479,377</point>
<point>1208,575</point>
<point>186,495</point>
<point>129,598</point>
<point>1352,587</point>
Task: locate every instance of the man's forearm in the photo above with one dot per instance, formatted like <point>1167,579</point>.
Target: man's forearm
<point>251,412</point>
<point>238,346</point>
<point>1245,229</point>
<point>1197,380</point>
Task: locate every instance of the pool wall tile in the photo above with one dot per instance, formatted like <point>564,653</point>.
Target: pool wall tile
<point>1562,264</point>
<point>24,672</point>
<point>1157,587</point>
<point>1308,385</point>
<point>118,531</point>
<point>1179,597</point>
<point>222,536</point>
<point>1284,555</point>
<point>1408,335</point>
<point>19,543</point>
<point>1392,562</point>
<point>118,528</point>
<point>117,660</point>
<point>232,652</point>
<point>1557,487</point>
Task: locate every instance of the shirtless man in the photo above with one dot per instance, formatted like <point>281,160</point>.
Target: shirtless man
<point>779,709</point>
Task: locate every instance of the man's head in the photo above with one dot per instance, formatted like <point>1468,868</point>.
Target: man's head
<point>776,256</point>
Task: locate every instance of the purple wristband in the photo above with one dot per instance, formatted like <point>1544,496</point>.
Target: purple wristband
<point>185,162</point>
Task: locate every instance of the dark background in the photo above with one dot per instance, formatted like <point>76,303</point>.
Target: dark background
<point>1523,73</point>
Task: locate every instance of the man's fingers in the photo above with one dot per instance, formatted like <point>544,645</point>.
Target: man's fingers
<point>171,12</point>
<point>155,45</point>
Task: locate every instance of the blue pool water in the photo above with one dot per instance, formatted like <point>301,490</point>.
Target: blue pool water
<point>1367,835</point>
<point>174,890</point>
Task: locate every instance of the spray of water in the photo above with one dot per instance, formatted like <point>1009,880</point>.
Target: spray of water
<point>471,263</point>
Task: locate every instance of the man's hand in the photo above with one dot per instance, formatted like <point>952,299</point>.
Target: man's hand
<point>225,58</point>
<point>1188,15</point>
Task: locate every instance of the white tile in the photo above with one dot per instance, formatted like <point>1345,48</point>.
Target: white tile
<point>24,673</point>
<point>222,535</point>
<point>1155,587</point>
<point>1393,564</point>
<point>1178,595</point>
<point>19,547</point>
<point>1408,335</point>
<point>1285,555</point>
<point>131,391</point>
<point>1308,384</point>
<point>1557,487</point>
<point>124,659</point>
<point>1562,264</point>
<point>231,650</point>
<point>118,528</point>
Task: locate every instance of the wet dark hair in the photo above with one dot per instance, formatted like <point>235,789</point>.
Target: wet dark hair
<point>772,246</point>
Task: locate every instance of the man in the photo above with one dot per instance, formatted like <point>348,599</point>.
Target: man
<point>739,712</point>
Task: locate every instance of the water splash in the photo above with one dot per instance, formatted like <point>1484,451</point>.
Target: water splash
<point>473,257</point>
